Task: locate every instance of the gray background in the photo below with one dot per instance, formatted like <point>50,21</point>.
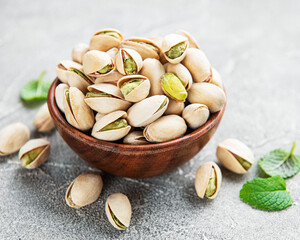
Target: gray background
<point>256,47</point>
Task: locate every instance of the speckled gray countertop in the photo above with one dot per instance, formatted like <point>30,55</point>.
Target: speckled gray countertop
<point>256,47</point>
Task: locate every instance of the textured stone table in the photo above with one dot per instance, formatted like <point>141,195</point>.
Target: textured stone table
<point>256,47</point>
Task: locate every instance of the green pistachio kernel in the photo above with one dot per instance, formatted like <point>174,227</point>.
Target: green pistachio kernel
<point>174,87</point>
<point>211,188</point>
<point>97,94</point>
<point>105,69</point>
<point>127,87</point>
<point>68,96</point>
<point>112,34</point>
<point>119,123</point>
<point>176,51</point>
<point>129,65</point>
<point>245,164</point>
<point>31,156</point>
<point>116,220</point>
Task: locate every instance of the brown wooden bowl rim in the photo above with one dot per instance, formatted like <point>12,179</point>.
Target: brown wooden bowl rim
<point>80,136</point>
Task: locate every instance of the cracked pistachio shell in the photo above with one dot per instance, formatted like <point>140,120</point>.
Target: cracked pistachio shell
<point>112,134</point>
<point>98,116</point>
<point>209,94</point>
<point>198,65</point>
<point>174,107</point>
<point>181,72</point>
<point>63,67</point>
<point>171,42</point>
<point>147,111</point>
<point>78,51</point>
<point>94,61</point>
<point>131,91</point>
<point>43,120</point>
<point>192,42</point>
<point>84,190</point>
<point>106,104</point>
<point>145,47</point>
<point>113,52</point>
<point>195,115</point>
<point>235,156</point>
<point>13,137</point>
<point>135,138</point>
<point>216,78</point>
<point>118,210</point>
<point>77,112</point>
<point>34,153</point>
<point>153,70</point>
<point>59,95</point>
<point>202,180</point>
<point>173,87</point>
<point>165,128</point>
<point>133,58</point>
<point>111,78</point>
<point>105,39</point>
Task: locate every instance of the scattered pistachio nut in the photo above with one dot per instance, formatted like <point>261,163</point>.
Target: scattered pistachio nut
<point>43,120</point>
<point>173,87</point>
<point>195,115</point>
<point>135,138</point>
<point>118,210</point>
<point>105,39</point>
<point>192,42</point>
<point>235,156</point>
<point>84,190</point>
<point>174,107</point>
<point>208,180</point>
<point>128,61</point>
<point>181,72</point>
<point>78,51</point>
<point>59,95</point>
<point>63,70</point>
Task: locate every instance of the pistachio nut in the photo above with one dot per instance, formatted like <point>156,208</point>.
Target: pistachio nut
<point>84,190</point>
<point>147,111</point>
<point>134,87</point>
<point>135,138</point>
<point>145,47</point>
<point>128,61</point>
<point>77,112</point>
<point>98,116</point>
<point>157,40</point>
<point>198,65</point>
<point>174,47</point>
<point>173,87</point>
<point>78,51</point>
<point>216,78</point>
<point>34,153</point>
<point>181,72</point>
<point>165,128</point>
<point>105,98</point>
<point>111,78</point>
<point>235,156</point>
<point>13,137</point>
<point>192,41</point>
<point>153,70</point>
<point>195,115</point>
<point>113,52</point>
<point>208,180</point>
<point>209,94</point>
<point>111,127</point>
<point>43,120</point>
<point>118,210</point>
<point>96,63</point>
<point>174,107</point>
<point>59,95</point>
<point>105,39</point>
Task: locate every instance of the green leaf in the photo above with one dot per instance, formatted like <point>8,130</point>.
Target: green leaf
<point>266,193</point>
<point>280,162</point>
<point>35,89</point>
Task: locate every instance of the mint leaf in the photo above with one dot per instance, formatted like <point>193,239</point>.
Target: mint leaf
<point>266,193</point>
<point>35,89</point>
<point>280,162</point>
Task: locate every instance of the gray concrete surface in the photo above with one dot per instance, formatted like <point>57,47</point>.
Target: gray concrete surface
<point>256,47</point>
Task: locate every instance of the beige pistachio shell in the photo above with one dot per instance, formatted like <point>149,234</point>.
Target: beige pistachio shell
<point>43,120</point>
<point>204,173</point>
<point>113,52</point>
<point>106,105</point>
<point>13,137</point>
<point>135,138</point>
<point>98,116</point>
<point>118,207</point>
<point>110,135</point>
<point>192,42</point>
<point>198,65</point>
<point>140,92</point>
<point>77,112</point>
<point>195,115</point>
<point>153,70</point>
<point>30,146</point>
<point>216,78</point>
<point>111,78</point>
<point>120,58</point>
<point>147,111</point>
<point>165,128</point>
<point>103,42</point>
<point>170,41</point>
<point>181,72</point>
<point>174,107</point>
<point>209,94</point>
<point>141,45</point>
<point>229,150</point>
<point>63,67</point>
<point>84,190</point>
<point>157,40</point>
<point>78,51</point>
<point>59,95</point>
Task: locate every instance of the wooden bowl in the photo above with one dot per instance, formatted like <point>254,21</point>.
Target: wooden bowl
<point>134,161</point>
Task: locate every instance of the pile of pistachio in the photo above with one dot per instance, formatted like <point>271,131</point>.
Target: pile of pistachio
<point>142,90</point>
